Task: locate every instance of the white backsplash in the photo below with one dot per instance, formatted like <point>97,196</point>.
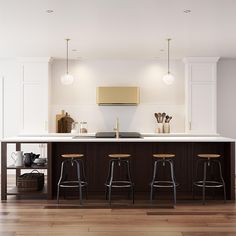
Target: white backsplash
<point>79,99</point>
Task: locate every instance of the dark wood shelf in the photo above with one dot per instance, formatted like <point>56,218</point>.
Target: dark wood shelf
<point>14,191</point>
<point>12,167</point>
<point>7,190</point>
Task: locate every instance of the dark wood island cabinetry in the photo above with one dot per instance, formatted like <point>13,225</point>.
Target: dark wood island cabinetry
<point>96,162</point>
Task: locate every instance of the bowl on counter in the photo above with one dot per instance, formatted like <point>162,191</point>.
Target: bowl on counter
<point>40,161</point>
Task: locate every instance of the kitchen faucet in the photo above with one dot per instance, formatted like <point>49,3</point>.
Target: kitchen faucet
<point>117,127</point>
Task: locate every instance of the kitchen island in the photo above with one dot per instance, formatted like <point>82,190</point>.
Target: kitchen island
<point>96,151</point>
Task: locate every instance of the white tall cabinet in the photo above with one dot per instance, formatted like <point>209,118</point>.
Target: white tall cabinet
<point>200,94</point>
<point>35,80</point>
<point>24,99</point>
<point>35,94</point>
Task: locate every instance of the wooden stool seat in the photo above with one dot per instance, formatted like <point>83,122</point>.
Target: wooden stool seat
<point>119,155</point>
<point>72,159</point>
<point>208,156</point>
<point>72,155</point>
<point>164,155</point>
<point>208,160</point>
<point>120,161</point>
<point>165,159</point>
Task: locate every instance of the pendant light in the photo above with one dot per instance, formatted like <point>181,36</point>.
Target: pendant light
<point>67,78</point>
<point>168,78</point>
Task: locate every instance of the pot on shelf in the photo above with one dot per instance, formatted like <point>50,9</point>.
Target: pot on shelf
<point>29,158</point>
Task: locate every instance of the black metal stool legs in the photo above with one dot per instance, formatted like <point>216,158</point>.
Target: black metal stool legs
<point>107,180</point>
<point>130,180</point>
<point>59,182</point>
<point>111,183</point>
<point>204,183</point>
<point>209,183</point>
<point>79,183</point>
<point>173,180</point>
<point>222,180</point>
<point>153,180</point>
<point>163,183</point>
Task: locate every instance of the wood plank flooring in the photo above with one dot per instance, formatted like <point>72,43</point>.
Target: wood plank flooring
<point>42,217</point>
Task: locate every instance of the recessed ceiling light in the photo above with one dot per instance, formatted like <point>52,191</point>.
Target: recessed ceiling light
<point>49,11</point>
<point>187,11</point>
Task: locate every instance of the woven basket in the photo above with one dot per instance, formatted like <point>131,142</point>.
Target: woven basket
<point>30,182</point>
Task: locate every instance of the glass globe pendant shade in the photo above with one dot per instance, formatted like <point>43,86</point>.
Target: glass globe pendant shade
<point>168,79</point>
<point>67,79</point>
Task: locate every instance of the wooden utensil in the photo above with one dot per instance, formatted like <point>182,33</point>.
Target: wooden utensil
<point>166,120</point>
<point>159,117</point>
<point>169,119</point>
<point>156,115</point>
<point>163,117</point>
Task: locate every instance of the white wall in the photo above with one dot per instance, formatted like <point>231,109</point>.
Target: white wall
<point>79,99</point>
<point>1,105</point>
<point>226,104</point>
<point>226,89</point>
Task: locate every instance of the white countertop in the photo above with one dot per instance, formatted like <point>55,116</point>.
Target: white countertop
<point>143,134</point>
<point>93,139</point>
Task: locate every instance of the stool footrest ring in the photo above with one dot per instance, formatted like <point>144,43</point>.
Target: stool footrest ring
<point>120,184</point>
<point>209,184</point>
<point>72,184</point>
<point>164,184</point>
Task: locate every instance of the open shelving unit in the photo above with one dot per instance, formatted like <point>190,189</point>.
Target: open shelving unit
<point>14,191</point>
<point>33,167</point>
<point>6,190</point>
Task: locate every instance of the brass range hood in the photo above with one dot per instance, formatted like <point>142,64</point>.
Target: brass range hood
<point>117,96</point>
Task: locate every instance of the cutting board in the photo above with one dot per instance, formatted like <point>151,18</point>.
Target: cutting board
<point>58,117</point>
<point>65,124</point>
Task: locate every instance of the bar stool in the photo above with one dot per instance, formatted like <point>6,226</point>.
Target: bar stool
<point>208,160</point>
<point>110,183</point>
<point>73,159</point>
<point>163,159</point>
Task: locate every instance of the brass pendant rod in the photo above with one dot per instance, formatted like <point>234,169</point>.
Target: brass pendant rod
<point>168,55</point>
<point>67,55</point>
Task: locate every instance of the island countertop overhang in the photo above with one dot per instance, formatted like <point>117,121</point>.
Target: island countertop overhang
<point>40,139</point>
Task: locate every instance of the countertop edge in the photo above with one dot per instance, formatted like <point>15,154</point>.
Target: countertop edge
<point>97,140</point>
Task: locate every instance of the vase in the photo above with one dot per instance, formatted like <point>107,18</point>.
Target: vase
<point>159,128</point>
<point>166,128</point>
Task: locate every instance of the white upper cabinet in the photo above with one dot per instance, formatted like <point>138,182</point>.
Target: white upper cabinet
<point>10,97</point>
<point>200,94</point>
<point>35,81</point>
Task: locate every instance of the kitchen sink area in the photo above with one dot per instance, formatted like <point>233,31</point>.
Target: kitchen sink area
<point>121,135</point>
<point>110,135</point>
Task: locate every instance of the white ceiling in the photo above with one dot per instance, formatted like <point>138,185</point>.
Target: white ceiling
<point>111,29</point>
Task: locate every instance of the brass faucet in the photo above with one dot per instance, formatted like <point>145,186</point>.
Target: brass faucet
<point>117,127</point>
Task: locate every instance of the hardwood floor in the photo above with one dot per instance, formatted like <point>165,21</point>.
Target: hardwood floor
<point>42,217</point>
